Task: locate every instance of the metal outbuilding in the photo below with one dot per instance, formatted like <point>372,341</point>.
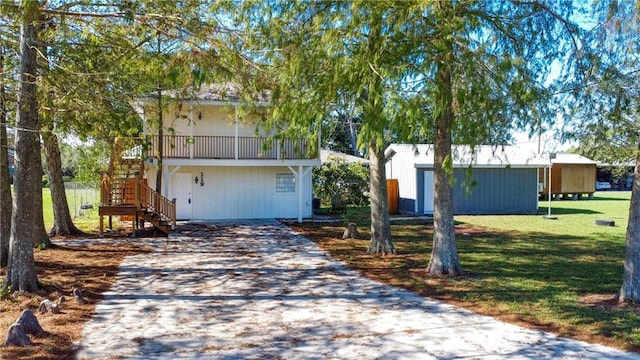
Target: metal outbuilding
<point>488,179</point>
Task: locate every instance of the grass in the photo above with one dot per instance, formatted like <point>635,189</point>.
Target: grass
<point>85,219</point>
<point>558,275</point>
<point>576,218</point>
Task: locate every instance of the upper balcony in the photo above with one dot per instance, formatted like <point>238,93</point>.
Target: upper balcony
<point>229,148</point>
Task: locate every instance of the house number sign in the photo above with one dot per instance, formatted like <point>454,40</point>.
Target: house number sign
<point>201,179</point>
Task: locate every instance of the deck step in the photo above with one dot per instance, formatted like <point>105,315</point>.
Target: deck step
<point>122,195</point>
<point>157,221</point>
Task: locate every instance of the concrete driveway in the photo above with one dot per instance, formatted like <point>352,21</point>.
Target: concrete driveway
<point>257,290</point>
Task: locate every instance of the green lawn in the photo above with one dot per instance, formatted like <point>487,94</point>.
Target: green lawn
<point>575,217</point>
<point>556,274</point>
<point>85,219</point>
<point>538,268</point>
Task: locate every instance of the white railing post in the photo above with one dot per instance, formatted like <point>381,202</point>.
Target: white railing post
<point>236,145</point>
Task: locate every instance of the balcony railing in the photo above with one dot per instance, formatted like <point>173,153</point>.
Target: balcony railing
<point>228,147</point>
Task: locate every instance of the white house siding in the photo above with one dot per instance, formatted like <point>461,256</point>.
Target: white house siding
<point>402,167</point>
<point>215,121</point>
<point>244,192</point>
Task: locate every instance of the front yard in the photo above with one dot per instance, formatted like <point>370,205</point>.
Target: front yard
<point>558,275</point>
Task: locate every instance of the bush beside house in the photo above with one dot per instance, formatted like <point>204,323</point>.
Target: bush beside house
<point>348,180</point>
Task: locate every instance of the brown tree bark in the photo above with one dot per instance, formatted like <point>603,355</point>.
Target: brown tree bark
<point>630,289</point>
<point>381,241</point>
<point>27,203</point>
<point>62,223</point>
<point>444,254</point>
<point>5,186</point>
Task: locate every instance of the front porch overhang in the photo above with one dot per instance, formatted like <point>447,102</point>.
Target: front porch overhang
<point>234,162</point>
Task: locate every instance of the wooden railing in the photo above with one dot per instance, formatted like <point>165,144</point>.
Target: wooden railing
<point>135,192</point>
<point>119,191</point>
<point>228,147</point>
<point>158,204</point>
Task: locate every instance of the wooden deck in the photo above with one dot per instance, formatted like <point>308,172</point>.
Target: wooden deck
<point>132,198</point>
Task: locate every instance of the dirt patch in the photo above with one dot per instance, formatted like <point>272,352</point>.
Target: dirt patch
<point>91,268</point>
<point>607,302</point>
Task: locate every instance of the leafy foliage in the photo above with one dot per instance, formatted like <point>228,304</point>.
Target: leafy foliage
<point>605,121</point>
<point>336,177</point>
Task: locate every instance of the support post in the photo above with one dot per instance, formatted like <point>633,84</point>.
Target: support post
<point>549,216</point>
<point>236,139</point>
<point>299,174</point>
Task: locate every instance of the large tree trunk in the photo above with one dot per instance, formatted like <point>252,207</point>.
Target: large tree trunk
<point>381,241</point>
<point>5,186</point>
<point>444,254</point>
<point>62,223</point>
<point>21,269</point>
<point>630,289</point>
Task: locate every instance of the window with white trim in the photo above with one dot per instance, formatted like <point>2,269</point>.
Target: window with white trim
<point>285,183</point>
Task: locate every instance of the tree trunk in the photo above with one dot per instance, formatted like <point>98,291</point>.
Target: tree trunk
<point>444,254</point>
<point>630,289</point>
<point>381,241</point>
<point>5,186</point>
<point>62,223</point>
<point>21,269</point>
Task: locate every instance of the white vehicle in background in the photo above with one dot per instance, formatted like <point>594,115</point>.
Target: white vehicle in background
<point>602,185</point>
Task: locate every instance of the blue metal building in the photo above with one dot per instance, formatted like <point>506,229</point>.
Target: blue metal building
<point>488,179</point>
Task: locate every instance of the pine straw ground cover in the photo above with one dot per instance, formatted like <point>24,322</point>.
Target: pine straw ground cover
<point>90,268</point>
<point>560,284</point>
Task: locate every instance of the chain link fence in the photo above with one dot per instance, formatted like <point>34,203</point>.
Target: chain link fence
<point>81,197</point>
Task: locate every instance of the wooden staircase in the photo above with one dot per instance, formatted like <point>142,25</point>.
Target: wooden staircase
<point>125,193</point>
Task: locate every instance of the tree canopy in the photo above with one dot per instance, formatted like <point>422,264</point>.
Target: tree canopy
<point>606,119</point>
<point>465,72</point>
<point>448,72</point>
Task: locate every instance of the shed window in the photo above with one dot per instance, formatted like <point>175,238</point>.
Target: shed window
<point>285,183</point>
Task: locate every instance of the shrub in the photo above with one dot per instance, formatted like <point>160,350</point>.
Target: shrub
<point>350,181</point>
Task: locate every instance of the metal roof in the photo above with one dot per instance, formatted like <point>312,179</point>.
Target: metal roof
<point>483,156</point>
<point>221,93</point>
<point>327,155</point>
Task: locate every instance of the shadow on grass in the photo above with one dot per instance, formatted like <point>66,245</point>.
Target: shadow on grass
<point>607,198</point>
<point>539,278</point>
<point>566,211</point>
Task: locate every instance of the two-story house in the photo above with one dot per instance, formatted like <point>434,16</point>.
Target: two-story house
<point>217,164</point>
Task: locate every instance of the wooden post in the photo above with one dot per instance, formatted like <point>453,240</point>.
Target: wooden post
<point>351,232</point>
<point>136,189</point>
<point>173,214</point>
<point>101,226</point>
